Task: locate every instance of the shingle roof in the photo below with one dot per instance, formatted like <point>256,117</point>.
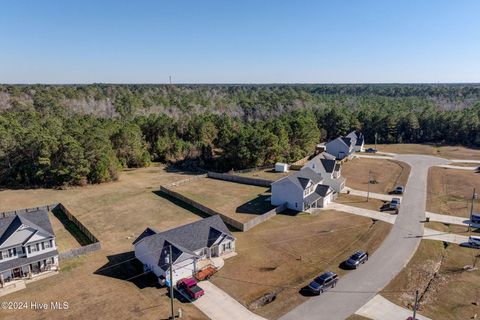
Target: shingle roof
<point>37,220</point>
<point>320,192</point>
<point>324,159</point>
<point>302,177</point>
<point>347,141</point>
<point>185,239</point>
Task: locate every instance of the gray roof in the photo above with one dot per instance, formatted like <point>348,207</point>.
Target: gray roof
<point>347,141</point>
<point>184,239</point>
<point>302,177</point>
<point>22,261</point>
<point>324,159</point>
<point>37,220</point>
<point>320,191</point>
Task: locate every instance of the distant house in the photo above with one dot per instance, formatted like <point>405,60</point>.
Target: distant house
<point>281,167</point>
<point>190,243</point>
<point>357,140</point>
<point>301,191</point>
<point>341,147</point>
<point>27,245</point>
<point>326,165</point>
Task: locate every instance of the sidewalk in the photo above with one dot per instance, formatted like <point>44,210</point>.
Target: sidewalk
<point>379,308</point>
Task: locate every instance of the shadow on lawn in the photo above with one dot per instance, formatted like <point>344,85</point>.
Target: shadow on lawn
<point>124,266</point>
<point>259,205</point>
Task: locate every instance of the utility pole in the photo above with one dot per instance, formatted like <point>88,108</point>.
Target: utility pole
<point>474,196</point>
<point>170,262</point>
<point>375,141</point>
<point>170,78</point>
<point>415,306</point>
<point>368,188</point>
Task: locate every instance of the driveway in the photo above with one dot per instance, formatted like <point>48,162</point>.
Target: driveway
<point>357,288</point>
<point>380,196</point>
<point>443,218</point>
<point>218,305</point>
<point>430,234</point>
<point>380,308</point>
<point>383,216</point>
<point>449,166</point>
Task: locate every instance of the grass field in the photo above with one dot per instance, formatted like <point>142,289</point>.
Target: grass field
<point>64,239</point>
<point>283,254</point>
<point>115,213</point>
<point>269,174</point>
<point>447,291</point>
<point>387,173</point>
<point>449,191</point>
<point>450,152</point>
<point>239,201</point>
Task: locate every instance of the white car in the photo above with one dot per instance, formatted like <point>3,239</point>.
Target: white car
<point>474,241</point>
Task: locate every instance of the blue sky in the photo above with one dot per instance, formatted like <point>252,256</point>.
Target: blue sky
<point>243,41</point>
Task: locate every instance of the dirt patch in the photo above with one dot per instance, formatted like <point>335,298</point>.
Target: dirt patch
<point>447,290</point>
<point>280,256</point>
<point>449,191</point>
<point>384,174</point>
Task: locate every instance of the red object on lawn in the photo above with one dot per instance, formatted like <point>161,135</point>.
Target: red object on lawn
<point>205,273</point>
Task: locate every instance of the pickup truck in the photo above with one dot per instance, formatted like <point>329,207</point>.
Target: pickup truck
<point>189,287</point>
<point>323,282</point>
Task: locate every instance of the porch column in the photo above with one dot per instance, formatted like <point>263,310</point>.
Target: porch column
<point>2,282</point>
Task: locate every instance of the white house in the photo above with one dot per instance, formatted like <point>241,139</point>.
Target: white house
<point>357,140</point>
<point>340,147</point>
<point>301,191</point>
<point>281,167</point>
<point>190,243</point>
<point>326,165</point>
<point>27,245</point>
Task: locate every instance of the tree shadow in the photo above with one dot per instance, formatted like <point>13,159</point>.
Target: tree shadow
<point>124,266</point>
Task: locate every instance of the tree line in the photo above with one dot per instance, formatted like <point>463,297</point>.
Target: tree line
<point>43,142</point>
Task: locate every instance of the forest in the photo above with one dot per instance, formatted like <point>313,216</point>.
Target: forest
<point>57,136</point>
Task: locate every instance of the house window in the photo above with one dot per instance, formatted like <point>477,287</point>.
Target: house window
<point>1,255</point>
<point>51,243</point>
<point>38,246</point>
<point>227,246</point>
<point>43,245</point>
<point>296,205</point>
<point>32,248</point>
<point>47,244</point>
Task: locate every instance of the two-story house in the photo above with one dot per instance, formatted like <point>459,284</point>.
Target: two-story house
<point>326,165</point>
<point>27,245</point>
<point>190,243</point>
<point>357,140</point>
<point>341,147</point>
<point>301,191</point>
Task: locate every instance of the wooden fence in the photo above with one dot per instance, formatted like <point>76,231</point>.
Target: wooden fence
<point>240,179</point>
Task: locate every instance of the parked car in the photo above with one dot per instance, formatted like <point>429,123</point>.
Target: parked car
<point>395,203</point>
<point>356,259</point>
<point>475,218</point>
<point>190,288</point>
<point>323,282</point>
<point>474,241</point>
<point>398,190</point>
<point>371,150</point>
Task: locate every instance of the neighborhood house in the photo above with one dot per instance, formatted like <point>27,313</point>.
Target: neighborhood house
<point>357,140</point>
<point>191,244</point>
<point>340,147</point>
<point>301,191</point>
<point>27,245</point>
<point>326,165</point>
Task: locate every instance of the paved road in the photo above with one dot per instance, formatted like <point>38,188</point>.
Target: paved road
<point>358,287</point>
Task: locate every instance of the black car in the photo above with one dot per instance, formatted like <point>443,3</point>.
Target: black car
<point>398,190</point>
<point>323,282</point>
<point>371,150</point>
<point>356,259</point>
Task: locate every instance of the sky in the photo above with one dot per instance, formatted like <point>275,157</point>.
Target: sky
<point>241,41</point>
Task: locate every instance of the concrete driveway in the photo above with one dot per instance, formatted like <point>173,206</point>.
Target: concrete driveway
<point>218,305</point>
<point>443,218</point>
<point>377,215</point>
<point>430,234</point>
<point>361,193</point>
<point>357,288</point>
<point>379,308</point>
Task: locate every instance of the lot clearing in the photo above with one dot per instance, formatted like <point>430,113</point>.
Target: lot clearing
<point>283,254</point>
<point>238,201</point>
<point>115,213</point>
<point>449,191</point>
<point>387,174</point>
<point>268,174</point>
<point>449,152</point>
<point>447,291</point>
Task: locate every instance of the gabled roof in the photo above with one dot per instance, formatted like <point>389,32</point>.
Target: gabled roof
<point>37,220</point>
<point>320,191</point>
<point>358,137</point>
<point>324,159</point>
<point>184,239</point>
<point>347,141</point>
<point>302,178</point>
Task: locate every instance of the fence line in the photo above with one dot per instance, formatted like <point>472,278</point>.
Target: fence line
<point>240,179</point>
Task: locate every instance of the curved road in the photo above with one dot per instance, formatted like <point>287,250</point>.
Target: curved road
<point>359,286</point>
